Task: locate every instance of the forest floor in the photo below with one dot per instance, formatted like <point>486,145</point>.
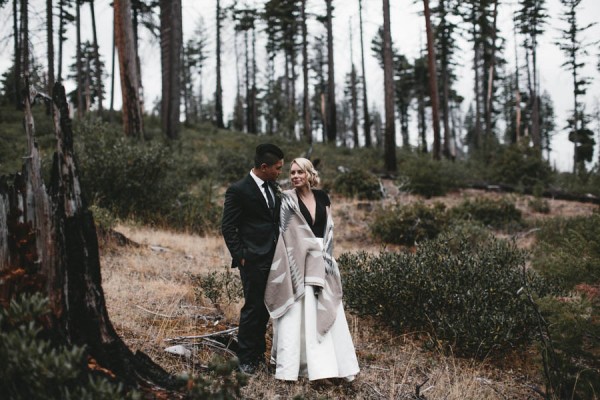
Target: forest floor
<point>152,295</point>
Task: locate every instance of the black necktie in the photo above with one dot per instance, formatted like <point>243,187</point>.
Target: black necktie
<point>270,201</point>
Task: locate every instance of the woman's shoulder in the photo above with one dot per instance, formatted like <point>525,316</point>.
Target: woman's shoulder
<point>322,196</point>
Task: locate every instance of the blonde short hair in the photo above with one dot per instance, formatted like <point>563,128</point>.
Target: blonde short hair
<point>312,176</point>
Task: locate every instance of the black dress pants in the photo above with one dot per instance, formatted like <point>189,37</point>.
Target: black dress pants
<point>254,316</point>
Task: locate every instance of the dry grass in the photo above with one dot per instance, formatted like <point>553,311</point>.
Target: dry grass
<point>150,297</point>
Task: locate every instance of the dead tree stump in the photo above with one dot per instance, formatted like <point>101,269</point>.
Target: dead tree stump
<point>48,244</point>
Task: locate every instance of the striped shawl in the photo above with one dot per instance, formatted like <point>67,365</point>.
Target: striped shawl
<point>301,260</point>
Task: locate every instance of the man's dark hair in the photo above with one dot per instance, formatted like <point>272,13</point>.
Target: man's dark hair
<point>267,153</point>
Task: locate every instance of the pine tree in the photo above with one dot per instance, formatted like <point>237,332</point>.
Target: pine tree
<point>575,48</point>
<point>388,77</point>
<point>531,19</point>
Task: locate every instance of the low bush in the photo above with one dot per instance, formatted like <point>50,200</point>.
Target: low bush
<point>497,214</point>
<point>222,380</point>
<point>231,165</point>
<point>218,287</point>
<point>519,165</point>
<point>147,180</point>
<point>32,367</point>
<point>582,183</point>
<point>358,183</point>
<point>124,175</point>
<point>569,352</point>
<point>427,177</point>
<point>568,249</point>
<point>409,224</point>
<point>539,205</point>
<point>196,212</point>
<point>461,288</point>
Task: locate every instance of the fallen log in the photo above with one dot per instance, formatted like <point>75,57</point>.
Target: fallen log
<point>551,193</point>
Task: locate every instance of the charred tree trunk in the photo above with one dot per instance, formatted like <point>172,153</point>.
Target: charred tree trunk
<point>48,244</point>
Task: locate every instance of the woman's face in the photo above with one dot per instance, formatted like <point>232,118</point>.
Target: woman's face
<point>298,177</point>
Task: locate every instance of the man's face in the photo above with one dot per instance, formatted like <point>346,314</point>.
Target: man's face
<point>271,172</point>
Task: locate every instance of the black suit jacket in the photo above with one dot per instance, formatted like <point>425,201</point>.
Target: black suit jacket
<point>249,227</point>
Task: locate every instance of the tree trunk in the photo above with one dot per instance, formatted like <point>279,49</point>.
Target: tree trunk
<point>476,61</point>
<point>17,55</point>
<point>132,110</point>
<point>136,43</point>
<point>367,120</point>
<point>489,106</point>
<point>61,26</point>
<point>25,73</point>
<point>517,91</point>
<point>254,88</point>
<point>78,61</point>
<point>354,107</point>
<point>249,127</point>
<point>435,113</point>
<point>447,148</point>
<point>112,76</point>
<point>535,105</point>
<point>331,106</point>
<point>50,42</point>
<point>306,95</point>
<point>52,248</point>
<point>97,59</point>
<point>171,42</point>
<point>219,90</point>
<point>186,76</point>
<point>388,78</point>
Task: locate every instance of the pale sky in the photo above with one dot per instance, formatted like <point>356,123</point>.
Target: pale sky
<point>407,36</point>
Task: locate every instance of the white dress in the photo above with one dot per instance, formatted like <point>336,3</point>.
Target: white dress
<point>297,350</point>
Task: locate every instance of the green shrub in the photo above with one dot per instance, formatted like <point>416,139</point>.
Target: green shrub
<point>151,181</point>
<point>572,360</point>
<point>569,249</point>
<point>125,175</point>
<point>428,177</point>
<point>498,214</point>
<point>409,224</point>
<point>519,165</point>
<point>222,381</point>
<point>103,218</point>
<point>358,183</point>
<point>196,212</point>
<point>231,166</point>
<point>35,368</point>
<point>218,287</point>
<point>539,205</point>
<point>581,183</point>
<point>460,288</point>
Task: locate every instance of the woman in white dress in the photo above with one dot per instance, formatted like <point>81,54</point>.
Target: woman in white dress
<point>304,291</point>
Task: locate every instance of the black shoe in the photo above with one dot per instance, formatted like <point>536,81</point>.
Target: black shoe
<point>248,369</point>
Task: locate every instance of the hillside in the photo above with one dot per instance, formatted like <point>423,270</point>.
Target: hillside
<point>153,294</point>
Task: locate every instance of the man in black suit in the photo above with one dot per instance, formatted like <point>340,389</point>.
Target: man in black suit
<point>250,227</point>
